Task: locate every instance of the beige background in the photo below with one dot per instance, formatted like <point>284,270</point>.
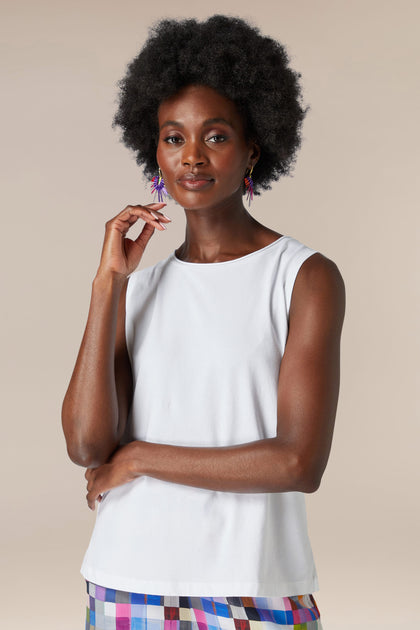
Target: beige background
<point>353,197</point>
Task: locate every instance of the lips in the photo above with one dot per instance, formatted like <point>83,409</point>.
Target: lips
<point>195,181</point>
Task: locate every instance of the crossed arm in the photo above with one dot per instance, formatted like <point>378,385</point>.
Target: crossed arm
<point>308,390</point>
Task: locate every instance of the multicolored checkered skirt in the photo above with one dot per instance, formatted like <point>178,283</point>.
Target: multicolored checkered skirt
<point>109,609</point>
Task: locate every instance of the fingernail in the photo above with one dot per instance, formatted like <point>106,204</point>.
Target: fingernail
<point>158,219</point>
<point>166,217</point>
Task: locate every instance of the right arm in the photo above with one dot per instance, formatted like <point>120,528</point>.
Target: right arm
<point>98,398</point>
<point>97,401</point>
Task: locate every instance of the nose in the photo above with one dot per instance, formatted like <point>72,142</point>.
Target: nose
<point>193,154</point>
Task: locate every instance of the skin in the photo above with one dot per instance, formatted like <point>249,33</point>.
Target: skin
<point>218,228</point>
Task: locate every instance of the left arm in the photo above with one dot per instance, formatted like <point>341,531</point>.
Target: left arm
<point>308,389</point>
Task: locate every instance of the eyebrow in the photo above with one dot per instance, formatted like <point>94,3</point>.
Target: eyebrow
<point>209,121</point>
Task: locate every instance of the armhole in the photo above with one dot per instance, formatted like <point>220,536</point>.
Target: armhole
<point>127,324</point>
<point>294,266</point>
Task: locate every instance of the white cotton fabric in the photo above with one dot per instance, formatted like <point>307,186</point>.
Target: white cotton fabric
<point>205,342</point>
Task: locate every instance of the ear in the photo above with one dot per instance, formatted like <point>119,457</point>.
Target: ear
<point>255,152</point>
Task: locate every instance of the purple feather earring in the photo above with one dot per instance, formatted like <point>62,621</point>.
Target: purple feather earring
<point>158,187</point>
<point>249,185</point>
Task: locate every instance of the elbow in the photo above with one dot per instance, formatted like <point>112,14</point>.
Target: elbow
<point>90,453</point>
<point>84,455</point>
<point>85,451</point>
<point>309,484</point>
<point>86,448</point>
<point>307,477</point>
<point>79,451</point>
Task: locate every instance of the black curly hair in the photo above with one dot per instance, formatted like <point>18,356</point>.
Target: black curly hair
<point>230,56</point>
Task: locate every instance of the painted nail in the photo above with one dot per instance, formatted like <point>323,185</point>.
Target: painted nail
<point>166,217</point>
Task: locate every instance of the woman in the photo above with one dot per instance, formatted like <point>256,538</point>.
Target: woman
<point>200,427</point>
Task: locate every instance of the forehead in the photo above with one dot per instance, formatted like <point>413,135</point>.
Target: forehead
<point>196,103</point>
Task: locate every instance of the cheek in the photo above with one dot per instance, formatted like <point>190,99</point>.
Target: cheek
<point>168,166</point>
<point>159,156</point>
<point>167,160</point>
<point>234,166</point>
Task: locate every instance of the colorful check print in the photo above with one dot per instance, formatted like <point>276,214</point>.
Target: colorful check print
<point>109,609</point>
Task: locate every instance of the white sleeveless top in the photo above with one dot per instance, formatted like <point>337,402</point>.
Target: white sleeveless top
<point>205,342</point>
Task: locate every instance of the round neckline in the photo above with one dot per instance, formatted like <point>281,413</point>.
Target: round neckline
<point>227,262</point>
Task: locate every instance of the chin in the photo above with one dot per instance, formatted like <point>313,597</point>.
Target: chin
<point>194,201</point>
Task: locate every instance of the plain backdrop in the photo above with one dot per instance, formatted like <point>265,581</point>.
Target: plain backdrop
<point>354,197</point>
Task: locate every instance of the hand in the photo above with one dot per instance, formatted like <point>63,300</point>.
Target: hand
<point>120,469</point>
<point>122,255</point>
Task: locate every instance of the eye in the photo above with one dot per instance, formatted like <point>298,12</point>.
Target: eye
<point>216,138</point>
<point>172,139</point>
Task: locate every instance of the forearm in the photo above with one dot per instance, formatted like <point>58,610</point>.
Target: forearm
<point>90,407</point>
<point>263,466</point>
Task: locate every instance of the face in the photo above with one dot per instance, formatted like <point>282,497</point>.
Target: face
<point>202,150</point>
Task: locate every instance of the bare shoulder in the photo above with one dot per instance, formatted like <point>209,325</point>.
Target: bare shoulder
<point>319,292</point>
<point>319,270</point>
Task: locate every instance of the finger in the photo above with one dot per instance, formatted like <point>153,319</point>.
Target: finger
<point>124,214</point>
<point>149,215</point>
<point>135,213</point>
<point>161,216</point>
<point>153,208</point>
<point>145,235</point>
<point>120,225</point>
<point>125,219</point>
<point>89,502</point>
<point>155,204</point>
<point>91,498</point>
<point>158,209</point>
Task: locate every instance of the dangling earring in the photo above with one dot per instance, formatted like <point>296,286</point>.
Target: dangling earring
<point>249,185</point>
<point>158,187</point>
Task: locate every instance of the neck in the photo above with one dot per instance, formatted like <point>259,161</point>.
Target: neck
<point>218,234</point>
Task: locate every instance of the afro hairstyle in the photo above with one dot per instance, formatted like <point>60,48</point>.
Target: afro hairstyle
<point>232,57</point>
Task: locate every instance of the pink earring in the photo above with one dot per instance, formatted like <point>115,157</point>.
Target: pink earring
<point>249,185</point>
<point>158,187</point>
